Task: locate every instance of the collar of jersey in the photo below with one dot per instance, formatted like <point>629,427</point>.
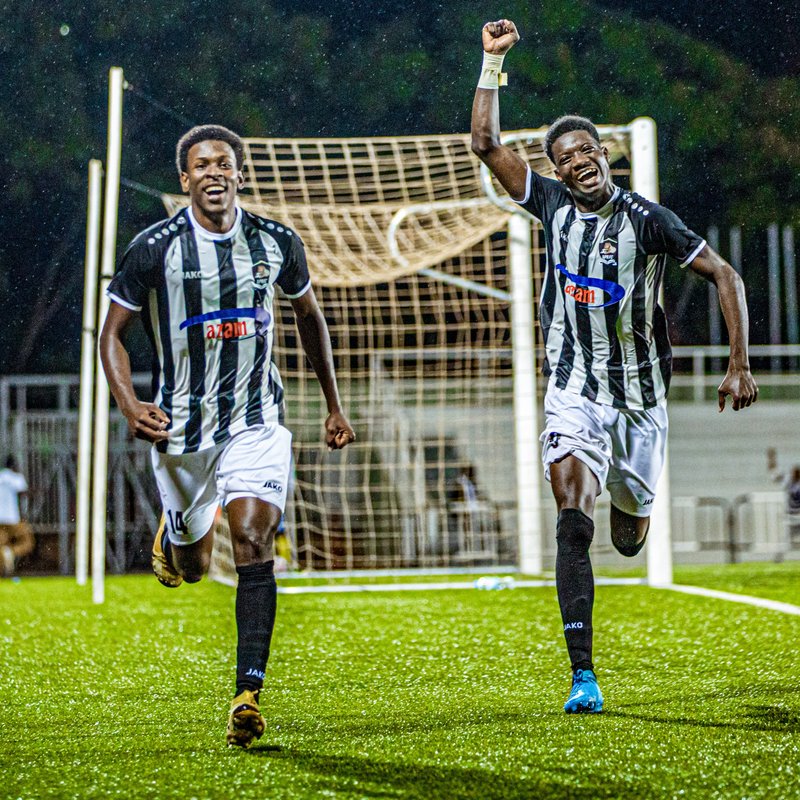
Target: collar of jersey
<point>603,212</point>
<point>215,237</point>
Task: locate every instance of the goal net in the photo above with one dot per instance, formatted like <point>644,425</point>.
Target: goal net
<point>409,250</point>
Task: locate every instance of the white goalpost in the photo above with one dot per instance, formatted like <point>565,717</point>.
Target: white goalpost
<point>95,396</point>
<point>428,276</point>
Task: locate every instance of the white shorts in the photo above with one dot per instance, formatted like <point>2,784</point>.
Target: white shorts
<point>623,448</point>
<point>253,463</point>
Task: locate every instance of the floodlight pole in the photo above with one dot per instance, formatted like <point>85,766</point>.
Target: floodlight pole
<point>526,424</point>
<point>102,397</point>
<point>88,352</point>
<point>644,181</point>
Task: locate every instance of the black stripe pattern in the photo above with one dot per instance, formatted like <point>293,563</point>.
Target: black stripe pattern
<point>193,295</point>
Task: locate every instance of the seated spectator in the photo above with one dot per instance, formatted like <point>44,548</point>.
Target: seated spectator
<point>790,481</point>
<point>16,535</point>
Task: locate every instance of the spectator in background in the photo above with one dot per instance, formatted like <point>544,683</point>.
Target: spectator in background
<point>16,535</point>
<point>790,481</point>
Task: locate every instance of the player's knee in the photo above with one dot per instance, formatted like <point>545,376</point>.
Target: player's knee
<point>194,572</point>
<point>628,533</point>
<point>574,530</point>
<point>255,534</point>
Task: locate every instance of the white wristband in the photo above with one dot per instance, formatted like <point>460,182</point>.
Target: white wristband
<point>491,75</point>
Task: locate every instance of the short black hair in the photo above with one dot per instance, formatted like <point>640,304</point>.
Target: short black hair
<point>11,463</point>
<point>206,133</point>
<point>567,124</point>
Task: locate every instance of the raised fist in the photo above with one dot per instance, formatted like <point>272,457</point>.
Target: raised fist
<point>499,37</point>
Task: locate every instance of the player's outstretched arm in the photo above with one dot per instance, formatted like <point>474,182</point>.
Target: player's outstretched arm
<point>317,346</point>
<point>145,420</point>
<point>738,382</point>
<point>498,38</point>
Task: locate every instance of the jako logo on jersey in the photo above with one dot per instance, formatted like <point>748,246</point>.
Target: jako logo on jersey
<point>276,487</point>
<point>573,626</point>
<point>582,290</point>
<point>227,323</point>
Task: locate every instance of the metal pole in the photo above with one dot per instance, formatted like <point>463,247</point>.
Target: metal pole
<point>102,398</point>
<point>790,289</point>
<point>526,425</point>
<point>735,243</point>
<point>774,282</point>
<point>88,351</point>
<point>644,181</point>
<point>63,512</point>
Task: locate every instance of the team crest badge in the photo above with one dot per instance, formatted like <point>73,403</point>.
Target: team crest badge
<point>261,275</point>
<point>608,252</point>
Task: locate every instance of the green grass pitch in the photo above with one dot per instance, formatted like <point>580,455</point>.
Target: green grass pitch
<point>429,694</point>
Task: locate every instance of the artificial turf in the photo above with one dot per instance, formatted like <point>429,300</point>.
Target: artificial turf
<point>430,694</point>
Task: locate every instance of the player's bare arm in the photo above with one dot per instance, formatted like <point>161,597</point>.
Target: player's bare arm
<point>497,38</point>
<point>145,420</point>
<point>317,346</point>
<point>738,382</point>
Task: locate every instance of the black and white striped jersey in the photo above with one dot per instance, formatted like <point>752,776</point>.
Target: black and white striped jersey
<point>604,332</point>
<point>206,303</point>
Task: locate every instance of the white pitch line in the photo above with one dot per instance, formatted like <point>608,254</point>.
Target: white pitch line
<point>773,605</point>
<point>421,587</point>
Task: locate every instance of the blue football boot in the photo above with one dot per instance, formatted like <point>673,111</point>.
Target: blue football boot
<point>585,697</point>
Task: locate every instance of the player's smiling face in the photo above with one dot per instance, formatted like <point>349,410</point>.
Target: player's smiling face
<point>581,164</point>
<point>212,179</point>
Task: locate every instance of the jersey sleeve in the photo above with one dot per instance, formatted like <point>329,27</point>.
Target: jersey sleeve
<point>135,278</point>
<point>542,196</point>
<point>293,278</point>
<point>667,233</point>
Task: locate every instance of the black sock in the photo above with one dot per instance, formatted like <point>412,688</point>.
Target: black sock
<point>575,584</point>
<point>256,597</point>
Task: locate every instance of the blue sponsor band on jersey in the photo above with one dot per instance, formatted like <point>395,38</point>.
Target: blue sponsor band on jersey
<point>613,290</point>
<point>224,313</point>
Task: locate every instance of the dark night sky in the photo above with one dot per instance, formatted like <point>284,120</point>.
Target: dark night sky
<point>762,34</point>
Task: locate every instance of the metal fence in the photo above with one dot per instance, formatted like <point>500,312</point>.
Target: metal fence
<point>39,420</point>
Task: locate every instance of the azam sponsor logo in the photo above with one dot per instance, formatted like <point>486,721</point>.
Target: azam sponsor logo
<point>582,289</point>
<point>231,323</point>
<point>227,330</point>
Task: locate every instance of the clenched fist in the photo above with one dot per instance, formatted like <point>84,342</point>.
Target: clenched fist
<point>499,37</point>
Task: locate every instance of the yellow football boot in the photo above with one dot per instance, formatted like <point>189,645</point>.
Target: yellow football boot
<point>163,570</point>
<point>245,723</point>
